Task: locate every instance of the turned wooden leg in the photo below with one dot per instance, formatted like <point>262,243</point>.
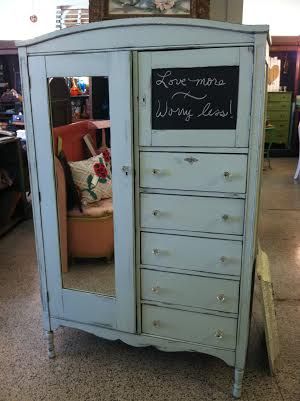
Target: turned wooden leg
<point>238,378</point>
<point>50,343</point>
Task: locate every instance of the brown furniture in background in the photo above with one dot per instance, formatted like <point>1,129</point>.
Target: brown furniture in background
<point>61,110</point>
<point>13,203</point>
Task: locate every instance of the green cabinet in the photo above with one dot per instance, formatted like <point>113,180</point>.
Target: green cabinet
<point>279,114</point>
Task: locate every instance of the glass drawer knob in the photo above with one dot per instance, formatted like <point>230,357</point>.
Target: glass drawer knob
<point>225,217</point>
<point>221,298</point>
<point>155,171</point>
<point>155,251</point>
<point>156,213</point>
<point>156,323</point>
<point>155,289</point>
<point>219,334</point>
<point>222,259</point>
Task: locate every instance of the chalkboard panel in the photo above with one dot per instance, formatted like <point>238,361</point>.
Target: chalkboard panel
<point>195,98</point>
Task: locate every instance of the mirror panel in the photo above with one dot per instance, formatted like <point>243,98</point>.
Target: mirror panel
<point>83,171</point>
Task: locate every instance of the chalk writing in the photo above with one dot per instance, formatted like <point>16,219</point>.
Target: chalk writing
<point>195,98</point>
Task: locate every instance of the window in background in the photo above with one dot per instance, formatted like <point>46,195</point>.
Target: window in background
<point>67,16</point>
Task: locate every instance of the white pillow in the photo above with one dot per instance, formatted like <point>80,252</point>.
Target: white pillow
<point>93,177</point>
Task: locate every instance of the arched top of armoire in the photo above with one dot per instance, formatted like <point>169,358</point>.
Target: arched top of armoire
<point>139,33</point>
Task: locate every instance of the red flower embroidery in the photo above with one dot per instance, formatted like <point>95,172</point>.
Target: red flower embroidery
<point>97,167</point>
<point>106,155</point>
<point>102,171</point>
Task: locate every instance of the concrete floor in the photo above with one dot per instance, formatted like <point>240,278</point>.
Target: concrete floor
<point>88,368</point>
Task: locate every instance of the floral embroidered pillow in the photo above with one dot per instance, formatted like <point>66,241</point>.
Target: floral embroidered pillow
<point>93,177</point>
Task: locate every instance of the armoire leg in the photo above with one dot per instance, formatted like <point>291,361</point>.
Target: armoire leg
<point>50,343</point>
<point>238,379</point>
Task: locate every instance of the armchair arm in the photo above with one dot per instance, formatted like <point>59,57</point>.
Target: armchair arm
<point>62,213</point>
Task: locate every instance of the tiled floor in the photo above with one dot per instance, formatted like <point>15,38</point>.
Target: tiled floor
<point>88,368</point>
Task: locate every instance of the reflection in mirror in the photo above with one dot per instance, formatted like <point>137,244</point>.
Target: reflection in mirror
<point>83,169</point>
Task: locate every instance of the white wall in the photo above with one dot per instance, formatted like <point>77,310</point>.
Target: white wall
<point>226,10</point>
<point>283,16</point>
<point>14,17</point>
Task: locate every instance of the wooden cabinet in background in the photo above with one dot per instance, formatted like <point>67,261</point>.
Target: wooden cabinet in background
<point>287,49</point>
<point>13,203</point>
<point>279,115</point>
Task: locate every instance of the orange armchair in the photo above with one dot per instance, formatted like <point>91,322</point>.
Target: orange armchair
<point>89,234</point>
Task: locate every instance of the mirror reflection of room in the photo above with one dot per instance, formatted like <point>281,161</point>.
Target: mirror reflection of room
<point>82,157</point>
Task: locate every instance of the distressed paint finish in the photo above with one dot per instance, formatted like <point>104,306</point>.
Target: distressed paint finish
<point>182,252</point>
<point>50,344</point>
<point>193,171</point>
<point>222,219</point>
<point>215,294</point>
<point>214,215</point>
<point>144,33</point>
<point>34,186</point>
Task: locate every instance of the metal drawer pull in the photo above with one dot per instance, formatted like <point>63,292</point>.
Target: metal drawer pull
<point>191,160</point>
<point>155,171</point>
<point>223,259</point>
<point>227,175</point>
<point>126,169</point>
<point>225,217</point>
<point>221,298</point>
<point>155,251</point>
<point>156,323</point>
<point>155,289</point>
<point>219,334</point>
<point>156,212</point>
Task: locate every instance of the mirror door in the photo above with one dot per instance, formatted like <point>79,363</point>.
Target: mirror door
<point>83,138</point>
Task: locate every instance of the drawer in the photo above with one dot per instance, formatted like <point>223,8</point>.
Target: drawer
<point>280,136</point>
<point>195,327</point>
<point>274,115</point>
<point>191,253</point>
<point>279,106</point>
<point>281,125</point>
<point>192,213</point>
<point>283,135</point>
<point>193,171</point>
<point>279,97</point>
<point>183,289</point>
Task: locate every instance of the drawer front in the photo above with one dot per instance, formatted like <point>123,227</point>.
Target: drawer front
<point>191,253</point>
<point>281,125</point>
<point>279,96</point>
<point>193,171</point>
<point>182,289</point>
<point>274,115</point>
<point>279,136</point>
<point>282,136</point>
<point>192,213</point>
<point>279,106</point>
<point>195,327</point>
